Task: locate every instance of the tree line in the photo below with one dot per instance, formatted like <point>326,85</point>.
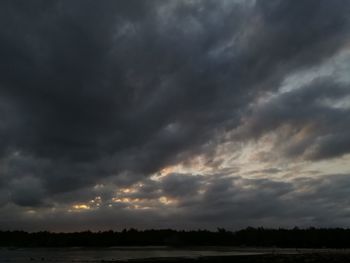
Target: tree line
<point>250,237</point>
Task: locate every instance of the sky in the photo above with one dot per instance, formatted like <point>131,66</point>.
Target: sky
<point>180,114</point>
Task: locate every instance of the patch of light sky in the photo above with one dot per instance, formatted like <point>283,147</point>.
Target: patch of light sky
<point>255,158</point>
<point>337,67</point>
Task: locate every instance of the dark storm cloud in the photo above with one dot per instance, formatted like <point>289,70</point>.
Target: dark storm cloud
<point>90,90</point>
<point>177,185</point>
<point>238,202</point>
<point>27,192</point>
<point>226,202</point>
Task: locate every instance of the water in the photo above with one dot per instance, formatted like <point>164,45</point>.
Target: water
<point>65,255</point>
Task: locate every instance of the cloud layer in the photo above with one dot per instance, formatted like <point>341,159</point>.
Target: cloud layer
<point>108,95</point>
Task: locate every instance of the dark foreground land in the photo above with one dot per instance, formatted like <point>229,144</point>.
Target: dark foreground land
<point>167,255</point>
<point>249,237</point>
<point>332,257</point>
<point>250,245</point>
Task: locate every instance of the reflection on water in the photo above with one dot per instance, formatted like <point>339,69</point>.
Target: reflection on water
<point>63,255</point>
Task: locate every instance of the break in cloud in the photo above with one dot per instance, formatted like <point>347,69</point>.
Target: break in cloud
<point>174,114</point>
